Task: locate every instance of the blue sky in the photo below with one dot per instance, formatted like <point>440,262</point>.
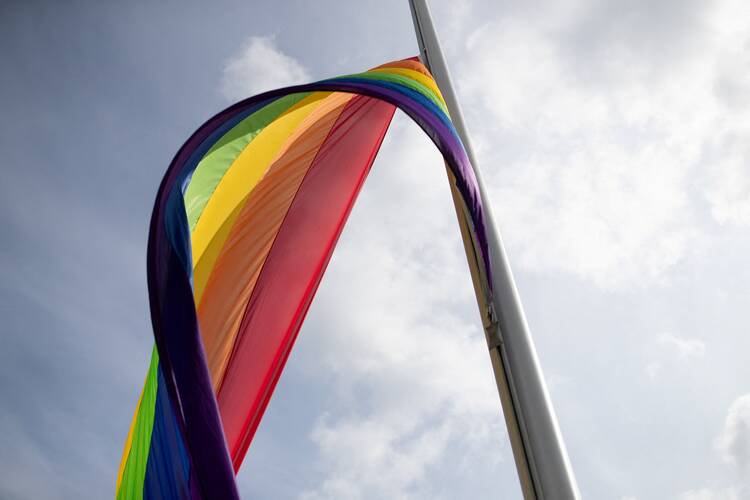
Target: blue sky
<point>614,141</point>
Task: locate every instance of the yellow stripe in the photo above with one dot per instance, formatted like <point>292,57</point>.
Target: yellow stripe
<point>413,75</point>
<point>129,440</point>
<point>203,267</point>
<point>248,168</point>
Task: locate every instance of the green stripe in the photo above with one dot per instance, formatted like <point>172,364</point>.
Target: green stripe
<point>405,81</point>
<point>131,486</point>
<point>220,157</point>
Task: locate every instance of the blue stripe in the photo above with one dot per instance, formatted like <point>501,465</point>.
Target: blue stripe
<point>168,467</point>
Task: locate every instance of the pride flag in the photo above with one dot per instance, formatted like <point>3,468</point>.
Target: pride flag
<point>244,224</point>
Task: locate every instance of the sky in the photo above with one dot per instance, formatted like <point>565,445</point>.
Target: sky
<point>614,137</point>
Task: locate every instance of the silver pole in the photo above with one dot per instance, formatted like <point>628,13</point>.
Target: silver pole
<point>542,461</point>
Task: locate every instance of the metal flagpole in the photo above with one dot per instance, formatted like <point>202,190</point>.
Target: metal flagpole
<point>542,461</point>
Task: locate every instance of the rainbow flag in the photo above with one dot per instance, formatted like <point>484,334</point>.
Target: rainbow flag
<point>244,224</point>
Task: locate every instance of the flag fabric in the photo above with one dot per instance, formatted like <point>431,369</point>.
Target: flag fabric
<point>245,221</point>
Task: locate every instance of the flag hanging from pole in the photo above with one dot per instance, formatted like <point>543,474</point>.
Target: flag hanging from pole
<point>244,224</point>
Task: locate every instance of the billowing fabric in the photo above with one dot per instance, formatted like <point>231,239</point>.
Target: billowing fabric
<point>244,224</point>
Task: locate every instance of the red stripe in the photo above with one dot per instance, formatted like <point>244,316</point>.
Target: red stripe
<point>295,265</point>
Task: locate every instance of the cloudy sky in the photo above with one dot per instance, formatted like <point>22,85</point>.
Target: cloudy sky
<point>615,140</point>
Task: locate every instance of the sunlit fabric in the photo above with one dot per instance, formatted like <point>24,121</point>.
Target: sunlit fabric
<point>244,224</point>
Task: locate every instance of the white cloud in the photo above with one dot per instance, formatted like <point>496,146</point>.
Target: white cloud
<point>733,446</point>
<point>734,441</point>
<point>599,168</point>
<point>729,189</point>
<point>260,66</point>
<point>728,182</point>
<point>685,349</point>
<point>415,375</point>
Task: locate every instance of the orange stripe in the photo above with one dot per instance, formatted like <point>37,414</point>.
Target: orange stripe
<point>240,179</point>
<point>240,260</point>
<point>407,64</point>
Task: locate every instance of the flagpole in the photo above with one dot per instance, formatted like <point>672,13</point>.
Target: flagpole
<point>542,461</point>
